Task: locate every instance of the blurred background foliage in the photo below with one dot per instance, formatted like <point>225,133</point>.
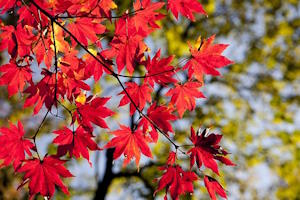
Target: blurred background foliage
<point>255,105</point>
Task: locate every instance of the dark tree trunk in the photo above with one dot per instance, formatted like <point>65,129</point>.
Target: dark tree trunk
<point>103,185</point>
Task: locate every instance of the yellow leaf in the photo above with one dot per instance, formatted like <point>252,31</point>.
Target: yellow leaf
<point>81,98</point>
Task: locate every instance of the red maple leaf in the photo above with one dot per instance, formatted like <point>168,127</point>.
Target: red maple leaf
<point>71,82</point>
<point>207,150</point>
<point>86,28</point>
<point>186,7</point>
<point>18,41</point>
<point>95,68</point>
<point>42,92</point>
<point>15,77</point>
<point>206,58</point>
<point>139,94</point>
<point>130,143</point>
<point>183,96</point>
<point>92,111</point>
<point>171,158</point>
<point>176,181</point>
<point>76,143</point>
<point>159,70</point>
<point>159,115</point>
<point>43,51</point>
<point>105,7</point>
<point>13,145</point>
<point>29,14</point>
<point>8,39</point>
<point>44,175</point>
<point>144,18</point>
<point>6,5</point>
<point>127,46</point>
<point>214,187</point>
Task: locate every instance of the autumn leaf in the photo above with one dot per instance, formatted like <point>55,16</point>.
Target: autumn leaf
<point>44,52</point>
<point>18,41</point>
<point>59,35</point>
<point>139,94</point>
<point>71,82</point>
<point>76,143</point>
<point>15,77</point>
<point>127,46</point>
<point>206,58</point>
<point>29,15</point>
<point>6,5</point>
<point>176,181</point>
<point>214,187</point>
<point>159,70</point>
<point>92,111</point>
<point>86,28</point>
<point>145,17</point>
<point>171,158</point>
<point>183,96</point>
<point>186,7</point>
<point>130,143</point>
<point>106,6</point>
<point>95,68</point>
<point>161,117</point>
<point>14,145</point>
<point>44,175</point>
<point>42,93</point>
<point>207,150</point>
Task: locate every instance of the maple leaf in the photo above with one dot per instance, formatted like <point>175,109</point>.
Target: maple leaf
<point>76,143</point>
<point>159,70</point>
<point>106,6</point>
<point>15,77</point>
<point>183,96</point>
<point>214,187</point>
<point>18,41</point>
<point>44,52</point>
<point>94,67</point>
<point>206,150</point>
<point>144,18</point>
<point>127,46</point>
<point>161,117</point>
<point>171,158</point>
<point>58,7</point>
<point>92,110</point>
<point>83,7</point>
<point>42,92</point>
<point>73,75</point>
<point>139,94</point>
<point>44,175</point>
<point>24,37</point>
<point>206,58</point>
<point>8,39</point>
<point>85,28</point>
<point>186,7</point>
<point>29,14</point>
<point>7,5</point>
<point>176,181</point>
<point>13,145</point>
<point>61,44</point>
<point>130,143</point>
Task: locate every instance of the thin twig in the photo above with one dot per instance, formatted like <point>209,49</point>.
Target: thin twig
<point>38,130</point>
